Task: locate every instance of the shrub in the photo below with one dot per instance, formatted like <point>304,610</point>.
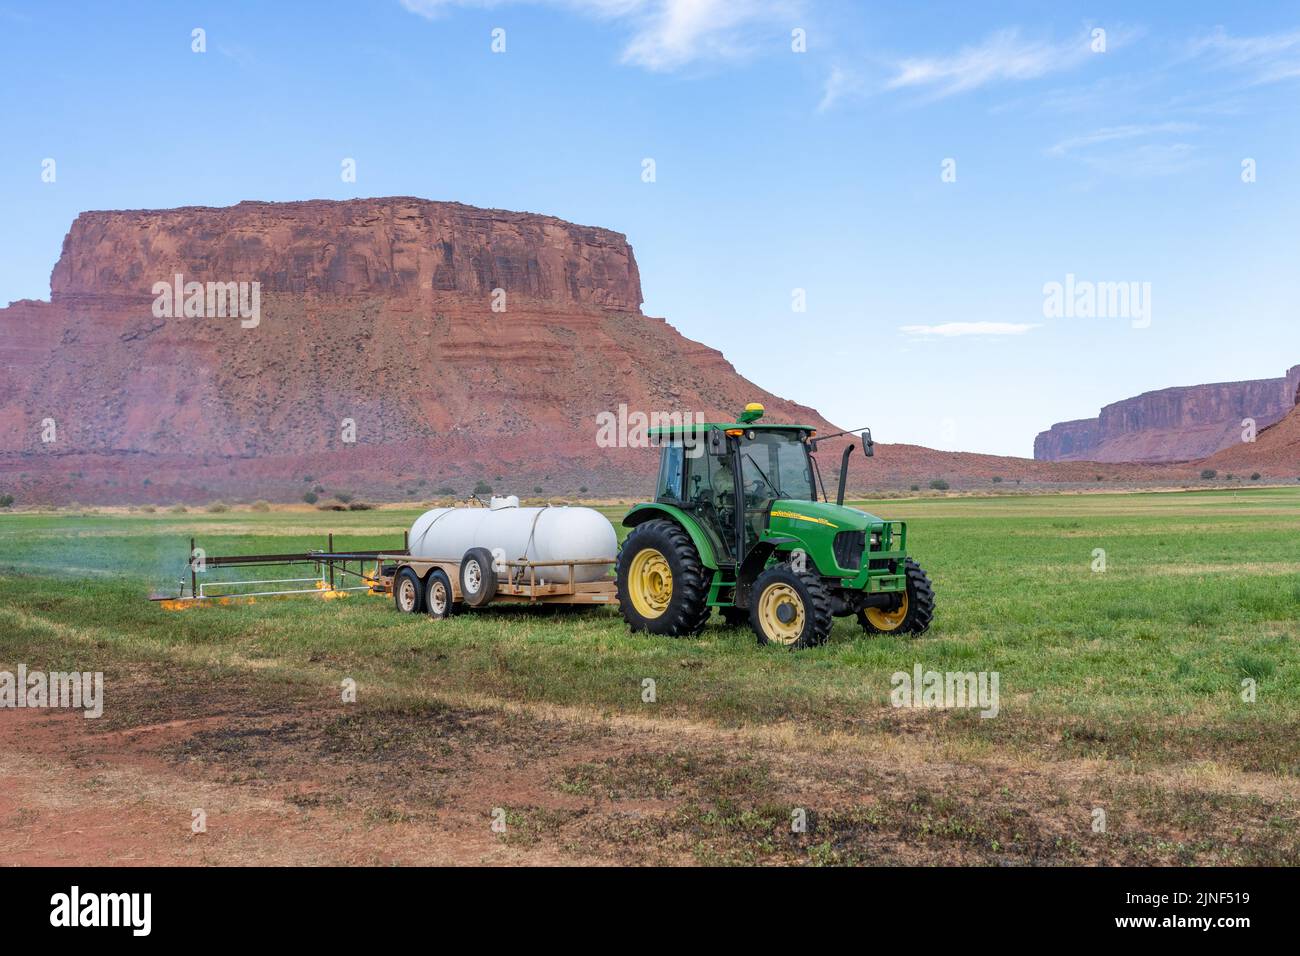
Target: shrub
<point>481,487</point>
<point>343,496</point>
<point>177,509</point>
<point>1254,476</point>
<point>148,509</point>
<point>310,498</point>
<point>582,490</point>
<point>259,506</point>
<point>217,507</point>
<point>359,506</point>
<point>916,487</point>
<point>997,479</point>
<point>6,501</point>
<point>1208,473</point>
<point>446,490</point>
<point>939,484</point>
<point>537,489</point>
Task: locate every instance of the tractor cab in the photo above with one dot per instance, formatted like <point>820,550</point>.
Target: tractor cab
<point>736,507</point>
<point>728,476</point>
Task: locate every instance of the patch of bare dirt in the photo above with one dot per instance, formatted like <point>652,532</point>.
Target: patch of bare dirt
<point>289,775</point>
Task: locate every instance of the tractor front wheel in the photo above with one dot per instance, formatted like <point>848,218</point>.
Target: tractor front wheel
<point>790,607</point>
<point>913,612</point>
<point>662,585</point>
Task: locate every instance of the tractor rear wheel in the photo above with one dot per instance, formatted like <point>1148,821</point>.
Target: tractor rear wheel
<point>790,607</point>
<point>912,614</point>
<point>662,584</point>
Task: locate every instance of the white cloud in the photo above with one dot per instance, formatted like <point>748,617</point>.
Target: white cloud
<point>838,82</point>
<point>1004,56</point>
<point>1110,134</point>
<point>1270,58</point>
<point>951,329</point>
<point>1149,159</point>
<point>666,34</point>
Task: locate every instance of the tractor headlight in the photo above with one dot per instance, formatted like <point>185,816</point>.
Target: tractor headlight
<point>875,541</point>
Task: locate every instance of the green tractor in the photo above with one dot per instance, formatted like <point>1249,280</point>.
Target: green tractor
<point>737,525</point>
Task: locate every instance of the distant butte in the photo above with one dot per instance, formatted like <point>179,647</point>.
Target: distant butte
<point>462,345</point>
<point>1172,424</point>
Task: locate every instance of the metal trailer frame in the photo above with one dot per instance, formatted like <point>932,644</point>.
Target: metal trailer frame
<point>519,583</point>
<point>511,585</point>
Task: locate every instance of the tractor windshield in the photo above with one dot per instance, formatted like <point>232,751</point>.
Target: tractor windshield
<point>775,464</point>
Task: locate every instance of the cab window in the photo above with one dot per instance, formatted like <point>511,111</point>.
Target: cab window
<point>670,473</point>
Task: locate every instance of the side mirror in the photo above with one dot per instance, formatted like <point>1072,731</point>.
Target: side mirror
<point>868,446</point>
<point>717,442</point>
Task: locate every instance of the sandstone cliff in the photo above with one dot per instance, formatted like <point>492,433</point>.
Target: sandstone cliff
<point>401,346</point>
<point>458,343</point>
<point>1172,424</point>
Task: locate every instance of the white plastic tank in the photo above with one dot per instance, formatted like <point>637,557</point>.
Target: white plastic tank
<point>512,533</point>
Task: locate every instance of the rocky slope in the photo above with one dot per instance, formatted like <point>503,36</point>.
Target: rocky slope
<point>374,314</point>
<point>1275,451</point>
<point>453,344</point>
<point>1172,424</point>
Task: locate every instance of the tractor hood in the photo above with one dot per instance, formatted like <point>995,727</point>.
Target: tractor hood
<point>795,515</point>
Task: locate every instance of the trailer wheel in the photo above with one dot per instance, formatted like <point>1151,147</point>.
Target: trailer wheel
<point>408,592</point>
<point>478,581</point>
<point>437,594</point>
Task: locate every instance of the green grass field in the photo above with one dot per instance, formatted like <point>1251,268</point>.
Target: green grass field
<point>1140,665</point>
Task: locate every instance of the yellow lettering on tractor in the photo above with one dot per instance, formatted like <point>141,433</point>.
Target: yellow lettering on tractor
<point>798,517</point>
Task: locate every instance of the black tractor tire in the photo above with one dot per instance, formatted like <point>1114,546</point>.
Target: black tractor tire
<point>437,594</point>
<point>408,592</point>
<point>734,616</point>
<point>915,609</point>
<point>478,579</point>
<point>673,603</point>
<point>781,591</point>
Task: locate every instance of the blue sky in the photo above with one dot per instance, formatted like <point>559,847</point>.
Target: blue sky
<point>775,170</point>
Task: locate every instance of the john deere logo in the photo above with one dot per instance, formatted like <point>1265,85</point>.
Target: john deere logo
<point>795,516</point>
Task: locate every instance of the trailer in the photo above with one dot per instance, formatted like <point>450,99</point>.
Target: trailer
<point>438,586</point>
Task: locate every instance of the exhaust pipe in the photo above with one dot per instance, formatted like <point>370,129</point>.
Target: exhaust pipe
<point>844,473</point>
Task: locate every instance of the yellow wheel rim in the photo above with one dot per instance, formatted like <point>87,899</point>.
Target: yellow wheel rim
<point>883,620</point>
<point>776,602</point>
<point>650,583</point>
